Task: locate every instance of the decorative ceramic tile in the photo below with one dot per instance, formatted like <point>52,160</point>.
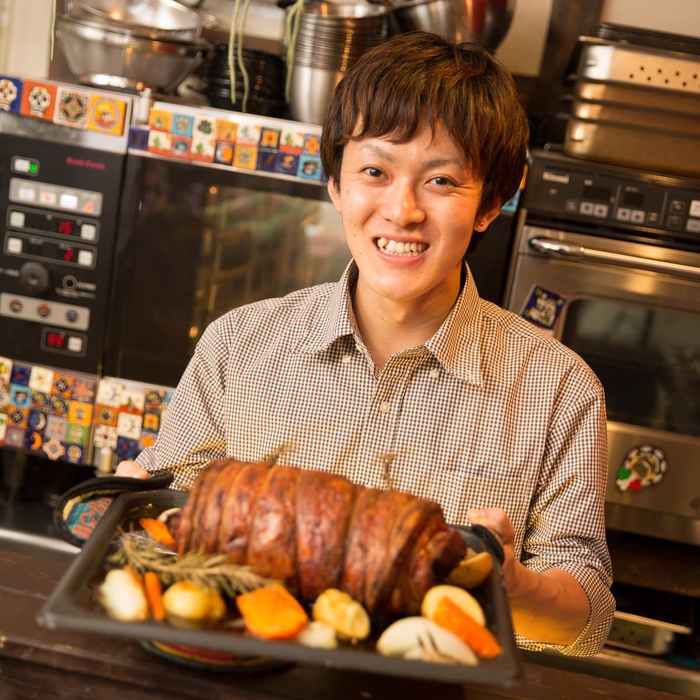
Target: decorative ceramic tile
<point>270,138</point>
<point>41,401</point>
<point>226,130</point>
<point>41,379</point>
<point>14,437</point>
<point>79,412</point>
<point>72,107</point>
<point>129,425</point>
<point>127,448</point>
<point>105,436</point>
<point>20,396</point>
<point>147,439</point>
<point>151,421</point>
<point>138,138</point>
<point>181,147</point>
<point>20,374</point>
<point>287,163</point>
<point>3,427</point>
<point>38,100</point>
<point>77,434</point>
<point>37,421</point>
<point>106,415</point>
<point>59,407</point>
<point>291,141</point>
<point>203,138</point>
<point>33,440</point>
<point>62,385</point>
<point>5,370</point>
<point>84,389</point>
<point>309,167</point>
<point>56,427</point>
<point>17,417</point>
<point>154,400</point>
<point>312,145</point>
<point>248,134</point>
<point>75,454</point>
<point>267,159</point>
<point>161,120</point>
<point>10,93</point>
<point>54,448</point>
<point>245,157</point>
<point>106,115</point>
<point>160,142</point>
<point>182,125</point>
<point>223,153</point>
<point>109,393</point>
<point>4,398</point>
<point>133,401</point>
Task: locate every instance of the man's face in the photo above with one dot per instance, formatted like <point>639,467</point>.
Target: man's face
<point>408,212</point>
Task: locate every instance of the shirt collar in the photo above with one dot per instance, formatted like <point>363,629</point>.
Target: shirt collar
<point>456,345</point>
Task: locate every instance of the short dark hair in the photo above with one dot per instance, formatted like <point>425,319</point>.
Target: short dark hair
<point>419,77</point>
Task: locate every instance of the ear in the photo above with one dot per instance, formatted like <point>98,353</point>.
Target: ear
<point>485,218</point>
<point>334,194</point>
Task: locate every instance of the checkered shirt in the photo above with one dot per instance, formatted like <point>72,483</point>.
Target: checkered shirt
<point>489,412</point>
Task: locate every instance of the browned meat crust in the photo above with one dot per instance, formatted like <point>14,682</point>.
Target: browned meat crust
<point>314,530</point>
<point>272,549</point>
<point>237,510</point>
<point>358,540</point>
<point>323,507</point>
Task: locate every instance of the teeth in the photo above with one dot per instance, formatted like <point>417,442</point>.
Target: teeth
<point>386,245</point>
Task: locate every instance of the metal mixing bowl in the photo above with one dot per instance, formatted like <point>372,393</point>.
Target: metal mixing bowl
<point>485,22</point>
<point>98,56</point>
<point>155,19</point>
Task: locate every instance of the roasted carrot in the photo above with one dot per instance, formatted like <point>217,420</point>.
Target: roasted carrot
<point>154,594</point>
<point>272,612</point>
<point>480,639</point>
<point>157,530</point>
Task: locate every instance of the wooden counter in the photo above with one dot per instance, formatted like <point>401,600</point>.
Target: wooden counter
<point>42,664</point>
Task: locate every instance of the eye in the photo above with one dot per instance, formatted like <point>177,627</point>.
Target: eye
<point>372,171</point>
<point>442,181</point>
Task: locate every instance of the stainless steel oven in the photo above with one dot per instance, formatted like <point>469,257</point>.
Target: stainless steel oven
<point>607,259</point>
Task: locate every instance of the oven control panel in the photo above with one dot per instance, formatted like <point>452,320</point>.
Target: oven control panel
<point>58,208</point>
<point>613,197</point>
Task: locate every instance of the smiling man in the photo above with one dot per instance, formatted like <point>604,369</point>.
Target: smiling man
<point>400,376</point>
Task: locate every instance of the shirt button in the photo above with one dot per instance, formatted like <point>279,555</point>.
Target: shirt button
<point>385,407</point>
<point>346,359</point>
<point>434,373</point>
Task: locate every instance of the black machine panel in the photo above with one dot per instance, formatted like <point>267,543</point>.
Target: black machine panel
<point>58,207</point>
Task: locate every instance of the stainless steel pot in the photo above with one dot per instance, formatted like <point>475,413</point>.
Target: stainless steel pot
<point>485,22</point>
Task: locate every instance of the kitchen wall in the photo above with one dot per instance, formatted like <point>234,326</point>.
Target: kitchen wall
<point>25,26</point>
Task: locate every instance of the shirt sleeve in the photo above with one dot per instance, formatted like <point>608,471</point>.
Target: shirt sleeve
<point>193,429</point>
<point>566,522</point>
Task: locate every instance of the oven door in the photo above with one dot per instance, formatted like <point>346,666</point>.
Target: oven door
<point>632,312</point>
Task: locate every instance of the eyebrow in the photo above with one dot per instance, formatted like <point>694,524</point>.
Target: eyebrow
<point>434,163</point>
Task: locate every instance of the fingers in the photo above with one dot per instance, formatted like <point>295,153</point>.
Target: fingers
<point>496,520</point>
<point>131,469</point>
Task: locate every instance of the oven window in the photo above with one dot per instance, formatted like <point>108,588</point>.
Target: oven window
<point>647,359</point>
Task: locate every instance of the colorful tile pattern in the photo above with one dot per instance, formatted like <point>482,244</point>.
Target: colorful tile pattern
<point>67,105</point>
<point>46,410</point>
<point>128,416</point>
<point>241,141</point>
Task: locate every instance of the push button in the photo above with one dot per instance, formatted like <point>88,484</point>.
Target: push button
<point>677,206</point>
<point>71,315</point>
<point>86,258</point>
<point>75,344</point>
<point>17,219</point>
<point>44,310</point>
<point>16,306</point>
<point>88,232</point>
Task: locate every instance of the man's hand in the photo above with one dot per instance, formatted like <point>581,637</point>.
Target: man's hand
<point>550,607</point>
<point>132,469</point>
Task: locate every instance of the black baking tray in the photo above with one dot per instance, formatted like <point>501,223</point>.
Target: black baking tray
<point>72,605</point>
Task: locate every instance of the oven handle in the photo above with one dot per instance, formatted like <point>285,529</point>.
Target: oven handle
<point>556,249</point>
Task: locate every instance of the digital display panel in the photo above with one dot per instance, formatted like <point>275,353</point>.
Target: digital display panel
<point>55,340</point>
<point>44,222</point>
<point>596,194</point>
<point>633,199</point>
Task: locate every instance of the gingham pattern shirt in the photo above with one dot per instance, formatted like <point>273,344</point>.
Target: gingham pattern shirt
<point>489,412</point>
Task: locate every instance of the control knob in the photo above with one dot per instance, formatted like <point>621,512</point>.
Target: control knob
<point>34,277</point>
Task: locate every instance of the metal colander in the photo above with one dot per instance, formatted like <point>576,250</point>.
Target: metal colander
<point>155,19</point>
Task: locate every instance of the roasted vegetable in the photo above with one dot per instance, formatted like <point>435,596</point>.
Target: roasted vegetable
<point>189,606</point>
<point>476,636</point>
<point>272,612</point>
<point>461,598</point>
<point>122,595</point>
<point>345,615</point>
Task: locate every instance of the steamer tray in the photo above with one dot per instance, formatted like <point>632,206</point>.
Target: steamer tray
<point>72,605</point>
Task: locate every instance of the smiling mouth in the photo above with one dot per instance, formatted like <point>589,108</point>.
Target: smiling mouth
<point>387,245</point>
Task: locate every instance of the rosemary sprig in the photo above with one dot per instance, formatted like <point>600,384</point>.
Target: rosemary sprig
<point>209,570</point>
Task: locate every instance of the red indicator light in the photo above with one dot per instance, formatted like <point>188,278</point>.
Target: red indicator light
<point>65,227</point>
<point>55,340</point>
<point>68,254</point>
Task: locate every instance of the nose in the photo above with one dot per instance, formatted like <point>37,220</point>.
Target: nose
<point>401,205</point>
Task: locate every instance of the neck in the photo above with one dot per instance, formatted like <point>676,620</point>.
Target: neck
<point>389,326</point>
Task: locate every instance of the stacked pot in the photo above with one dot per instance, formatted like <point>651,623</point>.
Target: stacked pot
<point>330,38</point>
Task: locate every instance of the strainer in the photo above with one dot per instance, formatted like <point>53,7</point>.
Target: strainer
<point>155,19</point>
